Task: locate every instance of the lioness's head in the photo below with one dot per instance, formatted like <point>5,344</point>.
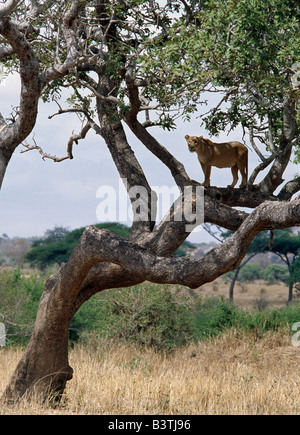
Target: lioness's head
<point>192,142</point>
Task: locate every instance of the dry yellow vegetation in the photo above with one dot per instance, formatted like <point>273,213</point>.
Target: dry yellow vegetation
<point>249,294</point>
<point>233,374</point>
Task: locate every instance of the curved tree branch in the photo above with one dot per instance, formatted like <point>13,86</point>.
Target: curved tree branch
<point>177,169</point>
<point>13,135</point>
<point>102,246</point>
<point>289,189</point>
<point>274,177</point>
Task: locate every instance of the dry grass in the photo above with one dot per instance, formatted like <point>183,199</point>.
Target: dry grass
<point>248,294</point>
<point>231,375</point>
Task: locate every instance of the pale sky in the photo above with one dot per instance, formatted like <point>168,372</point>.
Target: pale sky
<point>37,195</point>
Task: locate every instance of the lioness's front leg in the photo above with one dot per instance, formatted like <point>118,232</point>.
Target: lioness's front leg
<point>207,170</point>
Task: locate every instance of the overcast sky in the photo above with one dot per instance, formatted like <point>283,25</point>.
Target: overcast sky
<point>37,195</point>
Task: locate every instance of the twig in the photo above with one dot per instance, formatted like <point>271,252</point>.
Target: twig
<point>73,138</point>
<point>43,154</point>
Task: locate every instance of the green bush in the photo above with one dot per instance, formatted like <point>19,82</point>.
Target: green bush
<point>276,272</point>
<point>213,316</point>
<point>216,315</point>
<point>147,315</point>
<point>19,299</point>
<point>161,317</point>
<point>250,272</point>
<point>57,244</point>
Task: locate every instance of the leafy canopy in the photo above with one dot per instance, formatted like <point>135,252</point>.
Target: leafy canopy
<point>244,49</point>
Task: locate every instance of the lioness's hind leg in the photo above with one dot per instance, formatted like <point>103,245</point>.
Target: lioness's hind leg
<point>234,171</point>
<point>244,176</point>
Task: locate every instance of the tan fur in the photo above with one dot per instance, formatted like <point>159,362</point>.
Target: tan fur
<point>232,155</point>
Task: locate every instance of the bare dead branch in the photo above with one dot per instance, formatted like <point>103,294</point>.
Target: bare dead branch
<point>43,154</point>
<point>74,138</point>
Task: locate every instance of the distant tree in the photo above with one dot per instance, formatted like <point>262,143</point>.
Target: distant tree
<point>286,245</point>
<point>295,273</point>
<point>276,272</point>
<point>57,244</point>
<point>17,249</point>
<point>236,274</point>
<point>14,250</point>
<point>57,234</point>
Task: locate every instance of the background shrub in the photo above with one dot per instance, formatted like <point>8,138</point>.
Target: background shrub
<point>19,299</point>
<point>151,315</point>
<point>148,315</point>
<point>276,272</point>
<point>250,272</point>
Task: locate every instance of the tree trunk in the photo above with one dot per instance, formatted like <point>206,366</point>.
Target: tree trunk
<point>290,295</point>
<point>233,281</point>
<point>3,165</point>
<point>44,369</point>
<point>235,276</point>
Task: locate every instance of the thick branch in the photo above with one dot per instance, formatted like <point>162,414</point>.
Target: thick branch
<point>102,246</point>
<point>250,198</point>
<point>260,168</point>
<point>274,177</point>
<point>219,260</point>
<point>8,7</point>
<point>13,135</point>
<point>124,158</point>
<point>177,169</point>
<point>289,189</point>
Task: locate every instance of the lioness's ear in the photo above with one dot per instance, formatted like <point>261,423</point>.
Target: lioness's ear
<point>186,136</point>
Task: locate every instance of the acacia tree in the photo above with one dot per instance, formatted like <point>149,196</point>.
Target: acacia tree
<point>283,244</point>
<point>286,246</point>
<point>134,59</point>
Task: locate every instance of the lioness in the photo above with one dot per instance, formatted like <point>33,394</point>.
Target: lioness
<point>232,155</point>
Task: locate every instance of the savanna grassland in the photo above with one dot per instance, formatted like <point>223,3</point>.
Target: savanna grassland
<point>232,374</point>
<point>160,350</point>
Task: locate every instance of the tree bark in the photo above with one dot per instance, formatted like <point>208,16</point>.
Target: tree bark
<point>289,131</point>
<point>235,276</point>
